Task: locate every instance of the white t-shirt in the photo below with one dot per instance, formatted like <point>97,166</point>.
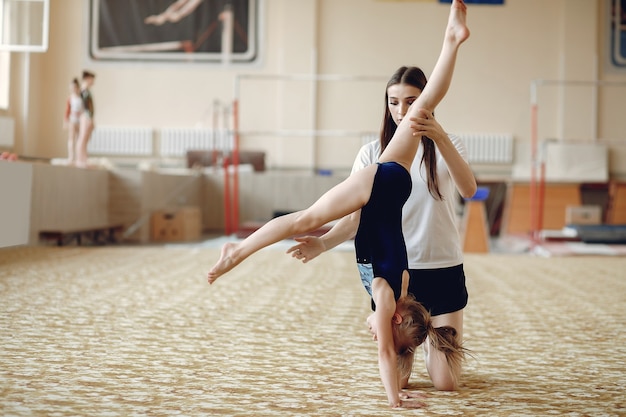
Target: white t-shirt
<point>429,226</point>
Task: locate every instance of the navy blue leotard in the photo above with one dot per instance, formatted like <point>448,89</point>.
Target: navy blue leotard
<point>379,240</point>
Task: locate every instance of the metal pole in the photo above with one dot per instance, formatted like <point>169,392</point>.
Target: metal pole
<point>227,207</point>
<point>309,77</point>
<point>533,164</point>
<point>580,83</point>
<point>215,122</point>
<point>235,219</point>
<point>594,102</point>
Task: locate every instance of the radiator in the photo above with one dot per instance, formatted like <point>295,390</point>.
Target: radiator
<point>120,140</point>
<point>489,148</point>
<point>368,137</point>
<point>178,140</point>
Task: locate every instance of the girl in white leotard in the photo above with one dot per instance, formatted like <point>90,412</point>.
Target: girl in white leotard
<point>73,111</point>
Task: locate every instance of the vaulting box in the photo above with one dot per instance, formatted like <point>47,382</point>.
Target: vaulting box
<point>177,225</point>
<point>589,214</point>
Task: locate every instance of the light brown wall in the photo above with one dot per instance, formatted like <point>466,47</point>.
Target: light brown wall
<point>511,45</point>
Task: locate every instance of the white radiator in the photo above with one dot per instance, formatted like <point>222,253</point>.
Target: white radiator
<point>369,137</point>
<point>489,148</point>
<point>121,140</point>
<point>177,141</point>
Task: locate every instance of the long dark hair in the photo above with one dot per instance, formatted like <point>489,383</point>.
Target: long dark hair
<point>415,77</point>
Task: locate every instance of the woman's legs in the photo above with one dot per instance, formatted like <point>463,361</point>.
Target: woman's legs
<point>444,378</point>
<point>341,200</point>
<point>403,146</point>
<point>86,127</point>
<point>73,130</point>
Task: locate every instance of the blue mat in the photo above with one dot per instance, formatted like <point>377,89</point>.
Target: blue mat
<point>601,233</point>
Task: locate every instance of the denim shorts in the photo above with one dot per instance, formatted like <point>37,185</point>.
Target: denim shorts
<point>367,276</point>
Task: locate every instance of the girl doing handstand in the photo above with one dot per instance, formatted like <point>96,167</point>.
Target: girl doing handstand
<point>380,191</point>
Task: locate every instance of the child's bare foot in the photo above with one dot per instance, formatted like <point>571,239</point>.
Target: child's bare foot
<point>225,263</point>
<point>457,30</point>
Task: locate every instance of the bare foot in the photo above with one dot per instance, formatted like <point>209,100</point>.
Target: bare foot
<point>457,29</point>
<point>226,262</point>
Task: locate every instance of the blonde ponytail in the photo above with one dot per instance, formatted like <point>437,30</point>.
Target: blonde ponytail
<point>415,327</point>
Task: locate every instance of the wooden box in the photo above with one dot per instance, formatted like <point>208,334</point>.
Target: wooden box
<point>177,225</point>
<point>586,214</point>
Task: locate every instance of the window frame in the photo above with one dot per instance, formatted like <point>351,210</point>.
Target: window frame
<point>45,25</point>
<point>250,56</point>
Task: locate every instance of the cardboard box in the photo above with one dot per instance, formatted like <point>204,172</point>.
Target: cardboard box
<point>583,215</point>
<point>177,225</point>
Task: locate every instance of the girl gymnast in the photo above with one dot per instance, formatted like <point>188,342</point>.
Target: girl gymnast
<point>379,191</point>
<point>73,111</point>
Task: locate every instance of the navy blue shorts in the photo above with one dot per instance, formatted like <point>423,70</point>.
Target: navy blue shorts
<point>440,290</point>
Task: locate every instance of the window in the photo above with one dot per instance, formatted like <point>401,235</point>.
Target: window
<point>24,25</point>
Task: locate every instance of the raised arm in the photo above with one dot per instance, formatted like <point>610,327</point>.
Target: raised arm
<point>387,358</point>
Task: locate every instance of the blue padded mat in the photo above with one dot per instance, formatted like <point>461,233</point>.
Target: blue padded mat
<point>601,233</point>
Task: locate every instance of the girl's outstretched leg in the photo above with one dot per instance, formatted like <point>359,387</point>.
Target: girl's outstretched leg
<point>233,253</point>
<point>403,147</point>
<point>227,261</point>
<point>341,200</point>
<point>71,142</point>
